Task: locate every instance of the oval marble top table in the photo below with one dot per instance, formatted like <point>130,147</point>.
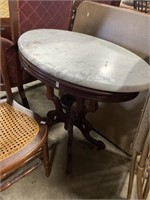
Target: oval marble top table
<point>85,60</point>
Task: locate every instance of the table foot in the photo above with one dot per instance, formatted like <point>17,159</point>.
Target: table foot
<point>85,127</point>
<point>54,117</point>
<point>72,111</point>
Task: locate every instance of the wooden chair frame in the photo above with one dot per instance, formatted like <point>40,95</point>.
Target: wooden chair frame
<point>35,147</point>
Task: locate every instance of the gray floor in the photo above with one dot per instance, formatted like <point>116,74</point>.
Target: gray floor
<point>96,174</point>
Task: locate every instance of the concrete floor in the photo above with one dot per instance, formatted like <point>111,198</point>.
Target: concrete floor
<point>96,174</point>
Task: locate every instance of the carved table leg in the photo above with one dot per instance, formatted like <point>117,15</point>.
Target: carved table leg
<point>72,111</point>
<point>56,115</point>
<point>69,127</point>
<point>76,116</point>
<point>85,126</point>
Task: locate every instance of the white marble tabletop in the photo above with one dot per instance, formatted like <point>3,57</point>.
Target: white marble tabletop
<point>85,60</point>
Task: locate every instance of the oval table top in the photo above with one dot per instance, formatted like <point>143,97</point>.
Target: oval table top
<point>85,60</point>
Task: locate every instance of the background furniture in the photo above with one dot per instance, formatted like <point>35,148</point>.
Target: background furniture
<point>77,3</point>
<point>142,5</point>
<point>23,137</point>
<point>17,75</point>
<point>140,155</point>
<point>5,19</point>
<point>116,121</point>
<point>25,15</point>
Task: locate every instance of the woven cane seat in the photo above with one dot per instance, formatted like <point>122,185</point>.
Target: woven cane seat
<point>16,130</point>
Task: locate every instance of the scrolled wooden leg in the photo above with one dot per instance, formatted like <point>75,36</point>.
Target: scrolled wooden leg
<point>71,117</point>
<point>57,115</point>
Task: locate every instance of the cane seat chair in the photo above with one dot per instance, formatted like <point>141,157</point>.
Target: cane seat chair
<point>23,138</point>
<point>140,156</point>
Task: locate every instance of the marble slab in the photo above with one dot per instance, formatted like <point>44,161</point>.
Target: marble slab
<point>85,60</point>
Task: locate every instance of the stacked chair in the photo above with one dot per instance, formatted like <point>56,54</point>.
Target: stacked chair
<point>140,165</point>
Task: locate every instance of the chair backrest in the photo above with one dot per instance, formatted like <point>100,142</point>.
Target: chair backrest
<point>4,73</point>
<point>26,15</point>
<point>121,26</point>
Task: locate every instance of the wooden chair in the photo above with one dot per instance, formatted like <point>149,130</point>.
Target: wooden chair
<point>23,137</point>
<point>140,156</point>
<point>26,15</point>
<point>17,75</point>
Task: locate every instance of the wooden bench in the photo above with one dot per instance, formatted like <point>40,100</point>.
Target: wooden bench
<point>129,29</point>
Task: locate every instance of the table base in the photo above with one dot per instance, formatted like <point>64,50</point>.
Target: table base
<point>72,111</point>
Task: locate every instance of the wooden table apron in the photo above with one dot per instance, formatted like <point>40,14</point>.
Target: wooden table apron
<point>73,89</point>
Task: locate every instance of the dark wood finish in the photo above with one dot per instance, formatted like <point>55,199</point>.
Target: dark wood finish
<point>37,146</point>
<point>73,89</point>
<point>5,28</point>
<point>14,69</point>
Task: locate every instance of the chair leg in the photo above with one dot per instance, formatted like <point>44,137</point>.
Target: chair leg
<point>146,189</point>
<point>23,96</point>
<point>141,168</point>
<point>46,160</point>
<point>131,176</point>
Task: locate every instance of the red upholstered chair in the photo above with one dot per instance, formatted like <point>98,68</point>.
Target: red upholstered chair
<point>17,75</point>
<point>26,15</point>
